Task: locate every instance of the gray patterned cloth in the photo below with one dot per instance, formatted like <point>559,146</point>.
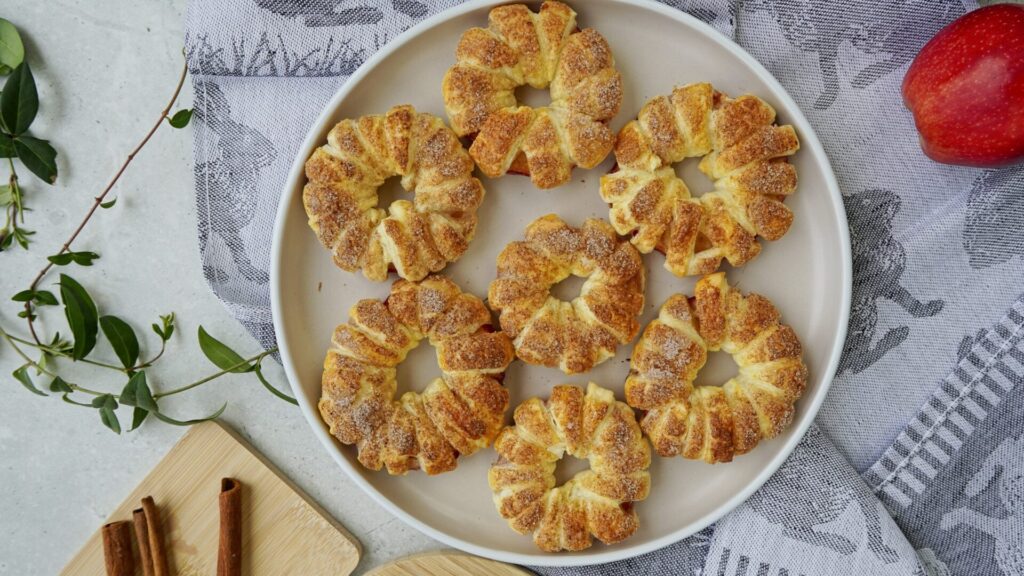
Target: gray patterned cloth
<point>916,462</point>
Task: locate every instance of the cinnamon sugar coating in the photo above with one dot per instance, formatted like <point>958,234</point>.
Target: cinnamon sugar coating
<point>597,502</point>
<point>743,151</point>
<point>413,238</point>
<point>459,413</point>
<point>544,50</point>
<point>573,336</point>
<point>714,423</point>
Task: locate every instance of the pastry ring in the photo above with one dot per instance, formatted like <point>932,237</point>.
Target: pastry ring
<point>543,50</point>
<point>743,151</point>
<point>714,423</point>
<point>573,336</point>
<point>458,413</point>
<point>413,238</point>
<point>598,501</point>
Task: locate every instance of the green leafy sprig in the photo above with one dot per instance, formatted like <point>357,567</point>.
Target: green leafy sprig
<point>19,104</point>
<point>85,323</point>
<point>87,326</point>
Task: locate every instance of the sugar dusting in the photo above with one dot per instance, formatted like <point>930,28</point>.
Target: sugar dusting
<point>361,407</point>
<point>772,376</point>
<point>474,92</point>
<point>574,336</point>
<point>361,235</point>
<point>596,502</point>
<point>746,161</point>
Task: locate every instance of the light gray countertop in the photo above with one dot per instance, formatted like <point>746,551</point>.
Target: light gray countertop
<point>103,76</point>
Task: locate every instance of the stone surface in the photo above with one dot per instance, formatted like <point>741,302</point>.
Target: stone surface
<point>103,76</point>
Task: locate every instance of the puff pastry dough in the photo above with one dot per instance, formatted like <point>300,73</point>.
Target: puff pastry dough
<point>743,151</point>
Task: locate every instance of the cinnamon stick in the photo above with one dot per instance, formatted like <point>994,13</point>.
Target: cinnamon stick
<point>229,552</point>
<point>142,538</point>
<point>155,532</point>
<point>117,548</point>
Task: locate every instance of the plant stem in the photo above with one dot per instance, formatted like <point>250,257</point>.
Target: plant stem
<point>16,193</point>
<point>271,389</point>
<point>12,212</point>
<point>151,361</point>
<point>99,199</point>
<point>12,341</point>
<point>87,361</point>
<point>257,358</point>
<point>63,354</point>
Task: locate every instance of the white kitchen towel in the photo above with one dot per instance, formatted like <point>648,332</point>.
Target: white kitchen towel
<point>927,405</point>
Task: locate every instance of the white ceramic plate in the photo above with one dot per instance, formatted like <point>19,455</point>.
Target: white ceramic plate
<point>807,274</point>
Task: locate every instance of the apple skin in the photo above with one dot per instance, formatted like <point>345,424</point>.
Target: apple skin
<point>966,89</point>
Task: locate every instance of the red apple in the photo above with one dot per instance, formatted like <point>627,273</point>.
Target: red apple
<point>966,89</point>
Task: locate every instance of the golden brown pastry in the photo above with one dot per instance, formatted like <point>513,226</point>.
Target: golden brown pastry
<point>744,153</point>
<point>458,413</point>
<point>574,336</point>
<point>544,50</point>
<point>713,423</point>
<point>595,502</point>
<point>413,238</point>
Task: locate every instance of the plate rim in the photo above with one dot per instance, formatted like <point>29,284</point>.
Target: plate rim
<point>809,141</point>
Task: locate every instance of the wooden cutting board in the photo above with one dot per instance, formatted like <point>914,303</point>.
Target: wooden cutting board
<point>284,532</point>
<point>447,563</point>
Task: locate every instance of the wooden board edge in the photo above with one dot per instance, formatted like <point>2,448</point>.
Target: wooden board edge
<point>447,553</point>
<point>298,490</point>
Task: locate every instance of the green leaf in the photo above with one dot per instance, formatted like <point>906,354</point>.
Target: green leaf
<point>144,396</point>
<point>135,389</point>
<point>169,420</point>
<point>106,405</point>
<point>43,362</point>
<point>83,318</point>
<point>223,357</point>
<point>45,298</point>
<point>12,51</point>
<point>137,393</point>
<point>122,339</point>
<point>80,258</point>
<point>168,323</point>
<point>19,101</point>
<point>24,296</point>
<point>38,156</point>
<point>103,400</point>
<point>6,194</point>
<point>166,327</point>
<point>42,297</point>
<point>128,394</point>
<point>63,346</point>
<point>21,235</point>
<point>138,417</point>
<point>7,149</point>
<point>59,385</point>
<point>108,204</point>
<point>180,118</point>
<point>109,419</point>
<point>83,258</point>
<point>274,391</point>
<point>21,375</point>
